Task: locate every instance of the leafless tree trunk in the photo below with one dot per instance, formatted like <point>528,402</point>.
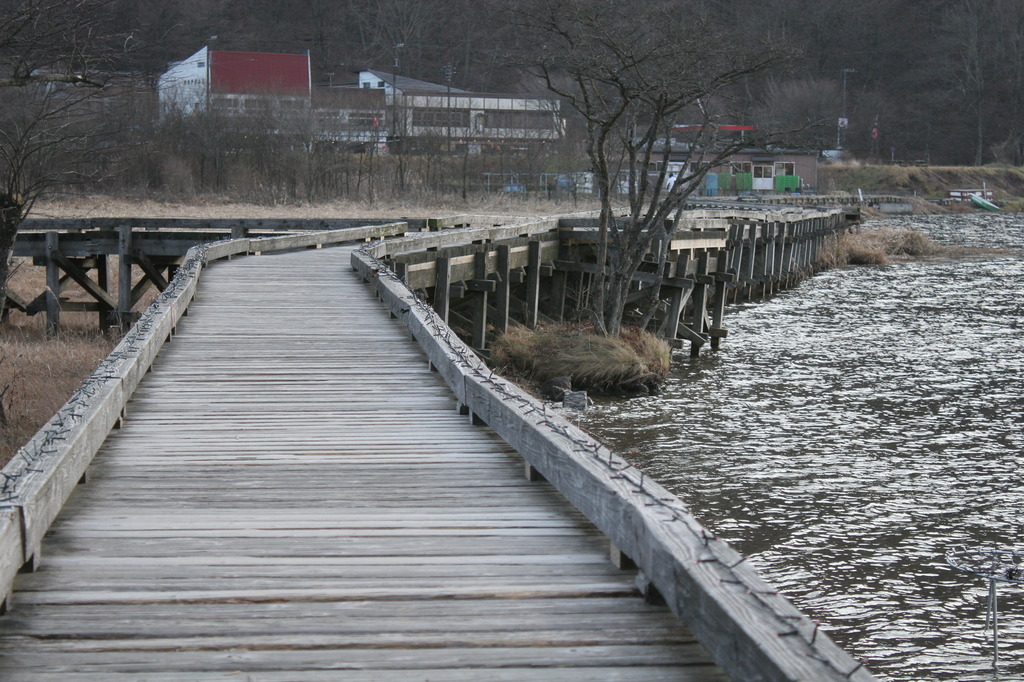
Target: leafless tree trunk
<point>965,29</point>
<point>630,71</point>
<point>51,57</point>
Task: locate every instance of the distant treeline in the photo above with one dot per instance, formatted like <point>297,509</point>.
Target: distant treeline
<point>932,80</point>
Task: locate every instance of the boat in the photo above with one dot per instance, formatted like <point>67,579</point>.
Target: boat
<point>982,202</point>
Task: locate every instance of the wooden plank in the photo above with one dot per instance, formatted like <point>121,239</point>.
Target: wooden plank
<point>612,674</point>
<point>277,481</point>
<point>693,571</point>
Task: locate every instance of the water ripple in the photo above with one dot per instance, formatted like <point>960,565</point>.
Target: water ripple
<point>852,430</point>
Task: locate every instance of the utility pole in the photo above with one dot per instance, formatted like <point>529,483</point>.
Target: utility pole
<point>843,120</point>
<point>449,72</point>
<point>394,96</point>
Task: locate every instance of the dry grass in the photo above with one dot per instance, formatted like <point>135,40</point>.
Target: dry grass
<point>38,375</point>
<point>599,363</point>
<point>878,247</point>
<point>924,181</point>
<point>215,207</point>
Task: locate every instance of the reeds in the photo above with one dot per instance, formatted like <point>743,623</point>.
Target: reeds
<point>633,361</point>
<point>877,247</point>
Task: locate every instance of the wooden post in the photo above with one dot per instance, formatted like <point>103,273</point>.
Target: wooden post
<point>103,281</point>
<point>718,311</point>
<point>479,333</point>
<point>124,276</point>
<point>769,257</point>
<point>678,296</point>
<point>532,283</point>
<point>789,244</point>
<point>52,283</point>
<point>736,247</point>
<point>699,298</point>
<point>502,294</point>
<point>751,254</point>
<point>556,300</point>
<point>442,287</point>
<point>762,265</point>
<point>735,255</point>
<point>780,251</point>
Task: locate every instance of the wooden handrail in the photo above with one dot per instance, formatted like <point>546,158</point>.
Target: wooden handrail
<point>751,631</point>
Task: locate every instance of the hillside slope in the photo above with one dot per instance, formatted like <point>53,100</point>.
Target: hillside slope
<point>930,182</point>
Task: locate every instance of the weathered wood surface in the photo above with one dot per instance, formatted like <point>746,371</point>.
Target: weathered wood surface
<point>71,249</point>
<point>751,630</point>
<point>293,496</point>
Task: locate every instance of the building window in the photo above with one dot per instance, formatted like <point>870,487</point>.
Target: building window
<point>535,120</point>
<point>785,168</point>
<point>440,118</point>
<point>763,172</point>
<point>380,84</point>
<point>740,167</point>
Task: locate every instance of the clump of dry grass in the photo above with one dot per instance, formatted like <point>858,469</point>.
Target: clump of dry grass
<point>226,207</point>
<point>878,247</point>
<point>38,375</point>
<point>634,360</point>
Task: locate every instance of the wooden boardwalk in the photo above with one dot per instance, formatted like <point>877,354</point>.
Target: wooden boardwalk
<point>294,497</point>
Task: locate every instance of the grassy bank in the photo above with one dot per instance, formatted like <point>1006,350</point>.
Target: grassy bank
<point>929,182</point>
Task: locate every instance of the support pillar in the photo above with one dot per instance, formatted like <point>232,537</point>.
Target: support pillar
<point>533,284</point>
<point>52,283</point>
<point>502,293</point>
<point>479,332</point>
<point>124,277</point>
<point>442,287</point>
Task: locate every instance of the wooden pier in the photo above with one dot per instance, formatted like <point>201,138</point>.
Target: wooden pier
<point>303,482</point>
<point>293,493</point>
<point>82,253</point>
<point>482,280</point>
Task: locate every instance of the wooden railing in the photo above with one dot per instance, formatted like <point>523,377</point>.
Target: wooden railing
<point>753,632</point>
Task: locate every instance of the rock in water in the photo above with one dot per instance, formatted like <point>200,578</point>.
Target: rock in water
<point>576,400</point>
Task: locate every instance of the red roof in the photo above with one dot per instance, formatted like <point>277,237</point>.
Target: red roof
<point>259,72</point>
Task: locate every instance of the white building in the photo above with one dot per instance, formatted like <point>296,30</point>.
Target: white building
<point>419,111</point>
<point>272,93</point>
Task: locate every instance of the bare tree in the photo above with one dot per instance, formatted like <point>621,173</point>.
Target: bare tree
<point>5,389</point>
<point>53,55</point>
<point>1010,51</point>
<point>632,71</point>
<point>805,104</point>
<point>966,37</point>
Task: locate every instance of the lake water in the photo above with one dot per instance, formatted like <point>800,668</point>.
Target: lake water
<point>853,429</point>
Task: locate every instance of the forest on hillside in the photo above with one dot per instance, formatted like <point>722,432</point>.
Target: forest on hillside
<point>936,81</point>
